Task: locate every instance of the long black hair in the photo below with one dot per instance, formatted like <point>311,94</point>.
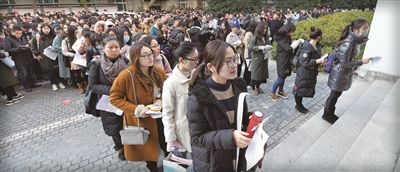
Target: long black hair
<point>354,25</point>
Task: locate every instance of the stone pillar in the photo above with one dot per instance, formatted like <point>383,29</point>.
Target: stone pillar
<point>384,39</point>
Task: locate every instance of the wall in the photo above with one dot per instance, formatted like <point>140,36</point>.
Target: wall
<point>384,38</point>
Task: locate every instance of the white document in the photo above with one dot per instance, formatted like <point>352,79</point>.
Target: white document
<point>255,150</point>
<point>105,105</point>
<point>239,119</point>
<point>376,61</point>
<point>50,52</point>
<point>79,60</point>
<point>154,114</point>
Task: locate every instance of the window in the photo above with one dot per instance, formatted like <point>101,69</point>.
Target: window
<point>182,4</point>
<point>46,1</point>
<point>7,2</point>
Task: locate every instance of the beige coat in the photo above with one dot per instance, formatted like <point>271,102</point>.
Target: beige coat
<point>122,96</point>
<point>175,96</point>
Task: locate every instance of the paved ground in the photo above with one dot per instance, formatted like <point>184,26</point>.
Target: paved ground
<point>48,131</point>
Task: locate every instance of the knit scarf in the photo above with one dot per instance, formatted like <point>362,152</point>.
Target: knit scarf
<point>112,69</point>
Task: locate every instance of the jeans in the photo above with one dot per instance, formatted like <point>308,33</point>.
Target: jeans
<point>278,83</point>
<point>331,101</point>
<point>25,73</point>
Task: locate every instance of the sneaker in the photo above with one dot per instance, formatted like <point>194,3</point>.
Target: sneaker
<point>282,95</point>
<point>274,97</point>
<point>18,97</point>
<point>61,85</point>
<point>9,102</point>
<point>54,86</point>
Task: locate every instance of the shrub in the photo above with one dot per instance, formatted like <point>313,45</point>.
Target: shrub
<point>331,26</point>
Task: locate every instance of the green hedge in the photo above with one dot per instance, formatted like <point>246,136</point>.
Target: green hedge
<point>331,26</point>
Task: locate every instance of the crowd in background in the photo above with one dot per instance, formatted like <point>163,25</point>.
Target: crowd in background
<point>157,58</point>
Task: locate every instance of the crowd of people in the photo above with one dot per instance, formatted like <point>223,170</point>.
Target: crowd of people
<point>192,64</point>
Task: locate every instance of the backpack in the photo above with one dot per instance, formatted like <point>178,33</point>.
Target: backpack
<point>330,62</point>
<point>295,60</point>
<point>332,59</point>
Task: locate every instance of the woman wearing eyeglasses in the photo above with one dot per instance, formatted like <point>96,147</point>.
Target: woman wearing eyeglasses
<point>175,95</point>
<point>211,111</point>
<point>147,83</point>
<point>159,59</point>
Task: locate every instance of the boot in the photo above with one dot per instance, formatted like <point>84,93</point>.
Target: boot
<point>329,116</point>
<point>81,87</point>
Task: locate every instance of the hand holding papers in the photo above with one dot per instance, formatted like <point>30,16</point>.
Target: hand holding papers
<point>376,61</point>
<point>105,105</point>
<point>50,52</point>
<point>255,151</point>
<point>79,60</point>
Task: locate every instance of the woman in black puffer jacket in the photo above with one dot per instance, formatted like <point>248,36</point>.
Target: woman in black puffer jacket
<point>340,77</point>
<point>309,60</point>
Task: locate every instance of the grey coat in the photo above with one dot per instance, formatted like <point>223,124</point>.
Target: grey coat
<point>259,65</point>
<point>340,78</point>
<point>307,72</point>
<point>64,71</point>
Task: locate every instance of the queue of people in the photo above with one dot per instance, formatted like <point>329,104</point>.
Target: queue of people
<point>193,69</point>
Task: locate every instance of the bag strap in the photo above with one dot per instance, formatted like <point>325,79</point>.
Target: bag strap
<point>134,93</point>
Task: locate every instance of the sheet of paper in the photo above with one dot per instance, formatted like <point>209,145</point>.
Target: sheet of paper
<point>324,56</point>
<point>50,52</point>
<point>79,60</point>
<point>105,105</point>
<point>255,150</point>
<point>376,61</point>
<point>154,114</point>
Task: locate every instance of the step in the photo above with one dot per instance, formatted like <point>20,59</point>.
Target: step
<point>397,168</point>
<point>327,152</point>
<point>377,147</point>
<point>289,150</point>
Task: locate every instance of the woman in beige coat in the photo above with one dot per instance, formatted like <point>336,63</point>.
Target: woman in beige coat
<point>148,81</point>
<point>175,95</point>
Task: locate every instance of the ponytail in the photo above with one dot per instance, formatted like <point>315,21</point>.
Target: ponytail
<point>345,32</point>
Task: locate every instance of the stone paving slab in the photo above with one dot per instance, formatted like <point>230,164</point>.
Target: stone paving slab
<point>48,131</point>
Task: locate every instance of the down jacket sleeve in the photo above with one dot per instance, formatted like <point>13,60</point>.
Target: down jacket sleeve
<point>94,81</point>
<point>200,132</point>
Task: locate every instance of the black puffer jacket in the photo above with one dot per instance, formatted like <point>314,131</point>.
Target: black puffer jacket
<point>99,84</point>
<point>21,56</point>
<point>340,78</point>
<point>177,36</point>
<point>195,37</point>
<point>284,55</point>
<point>307,72</point>
<point>210,130</point>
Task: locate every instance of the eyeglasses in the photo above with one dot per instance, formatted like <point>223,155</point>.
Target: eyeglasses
<point>147,56</point>
<point>193,60</point>
<point>155,46</point>
<point>233,61</point>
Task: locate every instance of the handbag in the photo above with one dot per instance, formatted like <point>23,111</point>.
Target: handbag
<point>8,61</point>
<point>90,101</point>
<point>133,135</point>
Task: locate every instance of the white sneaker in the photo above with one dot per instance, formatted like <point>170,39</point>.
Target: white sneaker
<point>54,86</point>
<point>61,85</point>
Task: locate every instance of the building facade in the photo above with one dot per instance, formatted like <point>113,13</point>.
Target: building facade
<point>23,6</point>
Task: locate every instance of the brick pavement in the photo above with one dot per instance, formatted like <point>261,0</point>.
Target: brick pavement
<point>48,131</point>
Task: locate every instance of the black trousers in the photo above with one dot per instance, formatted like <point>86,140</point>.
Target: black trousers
<point>37,69</point>
<point>331,101</point>
<point>54,76</point>
<point>117,142</point>
<point>299,101</point>
<point>25,74</point>
<point>77,76</point>
<point>255,84</point>
<point>161,136</point>
<point>151,165</point>
<point>9,92</point>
